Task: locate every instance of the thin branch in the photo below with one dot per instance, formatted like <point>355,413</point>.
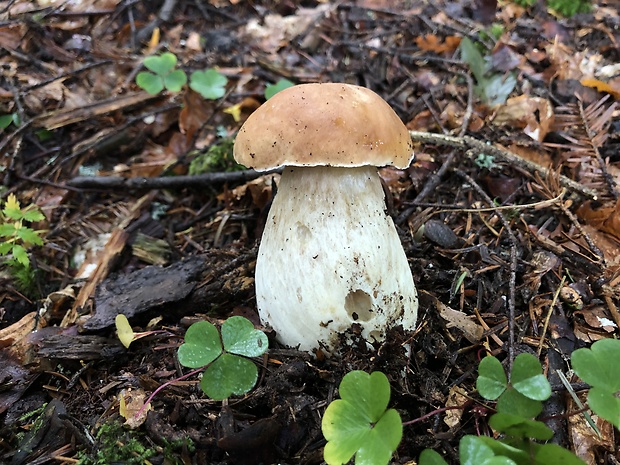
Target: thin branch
<point>467,142</point>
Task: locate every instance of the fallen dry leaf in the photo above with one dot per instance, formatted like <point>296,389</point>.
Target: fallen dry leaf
<point>532,114</point>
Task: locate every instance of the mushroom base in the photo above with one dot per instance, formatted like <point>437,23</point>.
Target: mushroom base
<point>330,257</point>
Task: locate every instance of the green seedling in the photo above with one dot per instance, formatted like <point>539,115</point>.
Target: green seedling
<point>15,237</point>
<point>492,88</point>
<point>161,74</point>
<point>519,401</point>
<point>228,371</point>
<point>273,89</point>
<point>209,83</point>
<point>597,366</point>
<point>359,423</point>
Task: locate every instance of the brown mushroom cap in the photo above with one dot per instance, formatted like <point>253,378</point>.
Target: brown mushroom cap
<point>323,124</point>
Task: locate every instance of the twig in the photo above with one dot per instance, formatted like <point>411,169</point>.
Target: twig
<point>467,142</point>
<point>548,318</point>
<point>172,182</point>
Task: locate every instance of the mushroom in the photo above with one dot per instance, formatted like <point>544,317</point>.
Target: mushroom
<point>330,256</point>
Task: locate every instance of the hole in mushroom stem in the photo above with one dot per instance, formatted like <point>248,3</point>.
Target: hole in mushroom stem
<point>358,305</point>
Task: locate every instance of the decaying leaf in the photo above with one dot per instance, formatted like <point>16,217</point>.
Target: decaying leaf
<point>131,403</point>
<point>533,114</point>
<point>456,319</point>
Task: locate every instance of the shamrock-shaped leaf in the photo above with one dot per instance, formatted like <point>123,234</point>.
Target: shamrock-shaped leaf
<point>501,449</point>
<point>228,371</point>
<point>517,426</point>
<point>163,74</point>
<point>228,375</point>
<point>492,380</point>
<point>527,378</point>
<point>597,367</point>
<point>162,64</point>
<point>273,89</point>
<point>202,345</point>
<point>240,337</point>
<point>175,81</point>
<point>209,83</point>
<point>515,403</point>
<point>358,423</point>
<point>152,83</point>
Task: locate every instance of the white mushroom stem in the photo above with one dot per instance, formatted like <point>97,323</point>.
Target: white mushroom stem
<point>330,257</point>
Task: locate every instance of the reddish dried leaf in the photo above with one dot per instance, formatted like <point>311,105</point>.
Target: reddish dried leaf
<point>431,43</point>
<point>196,111</point>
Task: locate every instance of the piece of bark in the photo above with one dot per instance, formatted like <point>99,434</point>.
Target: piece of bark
<point>202,283</point>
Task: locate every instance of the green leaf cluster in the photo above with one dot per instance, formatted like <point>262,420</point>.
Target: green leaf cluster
<point>598,366</point>
<point>492,88</point>
<point>161,75</point>
<point>519,401</point>
<point>15,236</point>
<point>228,371</point>
<point>209,83</point>
<point>359,423</point>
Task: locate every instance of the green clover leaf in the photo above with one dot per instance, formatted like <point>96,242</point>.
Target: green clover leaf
<point>528,379</point>
<point>162,64</point>
<point>492,380</point>
<point>202,345</point>
<point>515,403</point>
<point>597,367</point>
<point>240,337</point>
<point>209,83</point>
<point>163,75</point>
<point>358,423</point>
<point>228,375</point>
<point>152,83</point>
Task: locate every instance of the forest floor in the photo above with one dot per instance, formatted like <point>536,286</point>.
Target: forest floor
<point>509,217</point>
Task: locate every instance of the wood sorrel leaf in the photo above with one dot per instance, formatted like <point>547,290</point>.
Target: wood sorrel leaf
<point>202,345</point>
<point>240,337</point>
<point>527,378</point>
<point>492,380</point>
<point>358,423</point>
<point>229,375</point>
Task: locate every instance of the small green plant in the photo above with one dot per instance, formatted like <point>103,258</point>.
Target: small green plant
<point>519,401</point>
<point>16,238</point>
<point>6,120</point>
<point>359,423</point>
<point>116,444</point>
<point>598,366</point>
<point>273,89</point>
<point>569,8</point>
<point>161,75</point>
<point>210,83</point>
<point>492,88</point>
<point>227,371</point>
